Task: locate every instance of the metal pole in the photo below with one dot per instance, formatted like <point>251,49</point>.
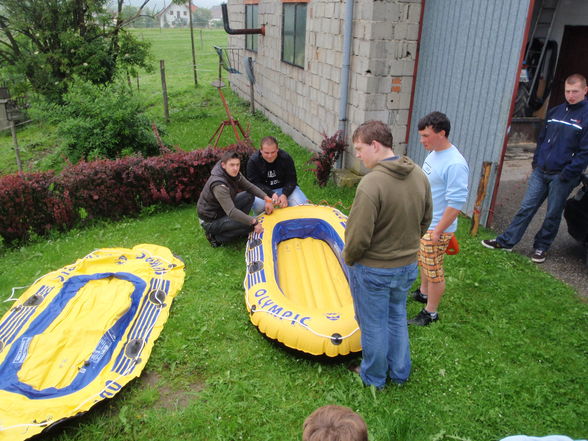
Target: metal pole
<point>192,40</point>
<point>164,88</point>
<point>345,72</point>
<point>16,150</point>
<point>252,98</point>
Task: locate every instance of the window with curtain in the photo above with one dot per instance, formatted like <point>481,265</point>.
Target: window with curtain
<point>294,33</point>
<point>251,22</point>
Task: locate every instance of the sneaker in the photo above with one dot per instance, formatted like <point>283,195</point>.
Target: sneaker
<point>419,296</point>
<point>493,244</point>
<point>423,318</point>
<point>213,242</point>
<point>355,368</point>
<point>539,256</point>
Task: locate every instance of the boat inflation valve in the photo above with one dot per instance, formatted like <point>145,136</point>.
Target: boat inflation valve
<point>157,296</point>
<point>255,266</point>
<point>33,300</point>
<point>134,347</point>
<point>336,339</point>
<point>255,242</point>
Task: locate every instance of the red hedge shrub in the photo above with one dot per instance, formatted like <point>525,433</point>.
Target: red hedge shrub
<point>104,189</point>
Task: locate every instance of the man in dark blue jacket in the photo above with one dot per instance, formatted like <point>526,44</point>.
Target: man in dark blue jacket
<point>560,158</point>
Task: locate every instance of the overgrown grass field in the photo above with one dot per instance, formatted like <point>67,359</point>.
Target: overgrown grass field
<point>507,356</point>
<point>195,111</point>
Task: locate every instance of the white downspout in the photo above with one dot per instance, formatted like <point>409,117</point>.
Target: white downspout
<point>344,83</point>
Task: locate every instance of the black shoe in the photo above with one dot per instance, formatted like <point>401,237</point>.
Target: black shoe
<point>423,318</point>
<point>355,368</point>
<point>213,242</point>
<point>493,244</point>
<point>419,296</point>
<point>539,256</point>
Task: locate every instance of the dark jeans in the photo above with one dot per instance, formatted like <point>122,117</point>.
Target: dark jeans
<point>541,186</point>
<point>225,229</point>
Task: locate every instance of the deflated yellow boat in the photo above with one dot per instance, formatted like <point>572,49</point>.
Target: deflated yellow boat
<point>79,334</point>
<point>296,287</point>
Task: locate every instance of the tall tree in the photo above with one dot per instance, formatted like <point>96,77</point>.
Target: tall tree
<point>201,17</point>
<point>51,41</point>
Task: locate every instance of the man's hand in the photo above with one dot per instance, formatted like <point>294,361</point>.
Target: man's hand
<point>435,237</point>
<point>275,198</point>
<point>269,207</point>
<point>258,228</point>
<point>283,201</point>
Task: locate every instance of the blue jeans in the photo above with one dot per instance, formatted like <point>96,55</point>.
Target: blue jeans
<point>540,187</point>
<point>379,298</point>
<point>296,198</point>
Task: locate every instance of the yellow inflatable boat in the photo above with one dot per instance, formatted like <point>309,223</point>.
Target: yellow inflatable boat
<point>296,287</point>
<point>79,334</point>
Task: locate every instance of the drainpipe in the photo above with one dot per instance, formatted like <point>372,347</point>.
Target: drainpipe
<point>344,84</point>
<point>230,31</point>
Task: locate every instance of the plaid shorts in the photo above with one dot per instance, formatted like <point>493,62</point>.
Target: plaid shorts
<point>431,256</point>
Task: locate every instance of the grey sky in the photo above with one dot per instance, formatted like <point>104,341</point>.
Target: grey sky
<point>159,4</point>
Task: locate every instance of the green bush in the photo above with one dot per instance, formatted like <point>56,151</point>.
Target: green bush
<point>102,122</point>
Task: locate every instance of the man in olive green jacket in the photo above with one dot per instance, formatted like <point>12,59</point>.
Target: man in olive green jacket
<point>391,211</point>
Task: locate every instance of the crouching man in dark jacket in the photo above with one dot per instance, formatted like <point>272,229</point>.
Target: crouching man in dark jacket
<point>226,200</point>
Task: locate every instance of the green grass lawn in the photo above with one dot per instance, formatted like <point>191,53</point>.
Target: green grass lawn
<point>509,354</point>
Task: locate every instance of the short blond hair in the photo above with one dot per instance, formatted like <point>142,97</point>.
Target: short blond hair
<point>575,79</point>
<point>334,423</point>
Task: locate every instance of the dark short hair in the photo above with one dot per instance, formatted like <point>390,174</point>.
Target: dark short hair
<point>268,140</point>
<point>334,423</point>
<point>371,131</point>
<point>576,78</point>
<point>437,121</point>
<point>227,156</point>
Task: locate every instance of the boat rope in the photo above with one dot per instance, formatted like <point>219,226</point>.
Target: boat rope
<point>12,298</point>
<point>324,202</point>
<point>318,334</point>
<point>43,424</point>
<point>164,271</point>
<point>93,397</point>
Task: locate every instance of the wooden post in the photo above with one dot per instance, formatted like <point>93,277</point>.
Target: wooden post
<point>164,88</point>
<point>192,41</point>
<point>486,169</point>
<point>252,98</point>
<point>16,149</point>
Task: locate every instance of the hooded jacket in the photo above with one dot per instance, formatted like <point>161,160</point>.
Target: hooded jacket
<point>562,146</point>
<point>208,206</point>
<point>391,211</point>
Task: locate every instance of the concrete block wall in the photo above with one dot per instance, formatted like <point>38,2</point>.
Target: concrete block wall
<point>304,102</point>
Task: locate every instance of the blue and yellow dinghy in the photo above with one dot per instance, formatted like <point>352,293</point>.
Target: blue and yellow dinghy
<point>296,287</point>
<point>79,334</point>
